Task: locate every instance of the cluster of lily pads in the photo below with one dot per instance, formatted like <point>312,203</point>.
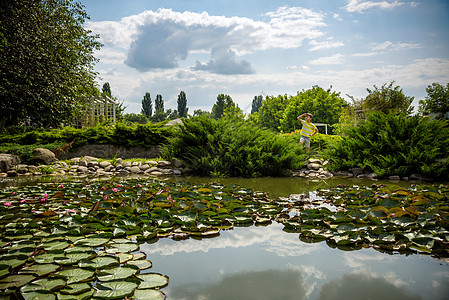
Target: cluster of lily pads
<point>80,240</point>
<point>389,218</point>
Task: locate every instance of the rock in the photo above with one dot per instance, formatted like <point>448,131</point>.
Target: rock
<point>8,161</point>
<point>126,164</point>
<point>75,160</point>
<point>43,155</point>
<point>90,158</point>
<point>415,177</point>
<point>356,171</point>
<point>151,162</point>
<point>82,169</point>
<point>82,163</point>
<point>176,172</point>
<point>164,164</point>
<point>313,166</point>
<point>135,163</point>
<point>104,164</point>
<point>118,161</point>
<point>177,163</point>
<point>343,174</point>
<point>395,178</point>
<point>91,164</point>
<point>134,169</point>
<point>315,161</point>
<point>144,167</point>
<point>12,173</point>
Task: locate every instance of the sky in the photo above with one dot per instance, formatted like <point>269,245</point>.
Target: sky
<point>245,48</point>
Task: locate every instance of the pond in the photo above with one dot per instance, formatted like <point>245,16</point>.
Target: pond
<point>269,262</point>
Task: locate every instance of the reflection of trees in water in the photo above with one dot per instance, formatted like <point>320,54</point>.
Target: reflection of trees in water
<point>363,286</point>
<point>261,285</point>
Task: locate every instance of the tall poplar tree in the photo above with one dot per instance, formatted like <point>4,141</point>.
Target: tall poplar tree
<point>182,104</point>
<point>159,113</point>
<point>147,107</point>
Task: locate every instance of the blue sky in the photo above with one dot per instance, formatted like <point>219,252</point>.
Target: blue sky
<point>247,48</point>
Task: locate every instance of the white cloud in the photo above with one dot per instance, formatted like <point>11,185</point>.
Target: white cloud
<point>337,17</point>
<point>328,60</point>
<point>380,48</point>
<point>361,6</point>
<point>325,45</point>
<point>160,39</point>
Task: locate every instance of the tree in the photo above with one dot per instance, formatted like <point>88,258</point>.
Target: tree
<point>147,107</point>
<point>46,62</point>
<point>387,99</point>
<point>437,99</point>
<point>135,118</point>
<point>182,104</point>
<point>257,103</point>
<point>199,112</point>
<point>106,90</point>
<point>159,114</point>
<point>270,113</point>
<point>325,105</point>
<point>223,102</point>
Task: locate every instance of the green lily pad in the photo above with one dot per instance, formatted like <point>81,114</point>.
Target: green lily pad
<point>14,261</point>
<point>5,270</point>
<point>38,295</point>
<point>148,294</point>
<point>122,248</point>
<point>124,257</point>
<point>75,257</point>
<point>141,264</point>
<point>45,284</point>
<point>39,269</point>
<point>15,281</point>
<point>152,281</point>
<point>82,296</point>
<point>76,288</point>
<point>115,289</point>
<point>99,262</point>
<point>120,272</point>
<point>56,245</point>
<point>76,275</point>
<point>92,242</point>
<point>48,257</point>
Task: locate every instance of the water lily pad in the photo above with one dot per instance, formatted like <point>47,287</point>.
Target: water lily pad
<point>38,295</point>
<point>82,296</point>
<point>5,270</point>
<point>115,289</point>
<point>120,272</point>
<point>141,264</point>
<point>92,241</point>
<point>40,269</point>
<point>76,288</point>
<point>148,294</point>
<point>122,248</point>
<point>14,261</point>
<point>56,245</point>
<point>75,257</point>
<point>44,284</point>
<point>124,257</point>
<point>152,281</point>
<point>76,275</point>
<point>15,281</point>
<point>99,262</point>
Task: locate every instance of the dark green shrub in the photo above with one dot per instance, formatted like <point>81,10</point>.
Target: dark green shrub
<point>391,144</point>
<point>232,148</point>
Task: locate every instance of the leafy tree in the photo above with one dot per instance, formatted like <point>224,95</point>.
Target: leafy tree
<point>223,102</point>
<point>437,99</point>
<point>135,118</point>
<point>46,62</point>
<point>147,107</point>
<point>325,105</point>
<point>257,103</point>
<point>199,112</point>
<point>387,99</point>
<point>106,90</point>
<point>182,104</point>
<point>172,114</point>
<point>159,114</point>
<point>270,113</point>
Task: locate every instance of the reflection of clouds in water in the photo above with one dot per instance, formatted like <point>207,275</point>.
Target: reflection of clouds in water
<point>359,260</point>
<point>280,244</point>
<point>363,285</point>
<point>440,283</point>
<point>311,276</point>
<point>267,284</point>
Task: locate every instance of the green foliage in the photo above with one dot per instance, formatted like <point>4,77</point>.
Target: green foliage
<point>437,99</point>
<point>326,107</point>
<point>144,135</point>
<point>391,144</point>
<point>270,113</point>
<point>256,104</point>
<point>229,147</point>
<point>46,66</point>
<point>159,114</point>
<point>135,118</point>
<point>147,107</point>
<point>223,102</point>
<point>182,104</point>
<point>388,99</point>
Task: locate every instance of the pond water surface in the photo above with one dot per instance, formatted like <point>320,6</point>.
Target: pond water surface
<point>266,262</point>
